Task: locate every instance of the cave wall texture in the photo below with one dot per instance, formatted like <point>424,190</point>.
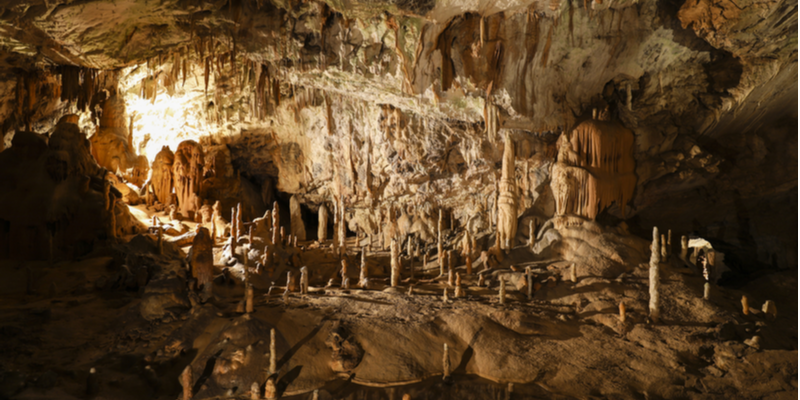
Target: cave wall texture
<point>408,104</point>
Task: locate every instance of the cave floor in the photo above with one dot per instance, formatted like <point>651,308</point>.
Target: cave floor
<point>59,320</point>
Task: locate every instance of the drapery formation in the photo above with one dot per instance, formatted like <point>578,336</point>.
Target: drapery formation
<point>595,168</point>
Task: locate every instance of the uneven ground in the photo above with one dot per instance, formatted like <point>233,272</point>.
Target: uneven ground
<point>567,342</point>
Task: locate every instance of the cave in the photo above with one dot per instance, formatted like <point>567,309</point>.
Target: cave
<point>433,199</point>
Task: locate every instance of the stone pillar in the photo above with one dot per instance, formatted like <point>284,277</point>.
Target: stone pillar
<point>655,252</point>
<point>507,202</point>
<point>322,229</point>
<point>298,227</point>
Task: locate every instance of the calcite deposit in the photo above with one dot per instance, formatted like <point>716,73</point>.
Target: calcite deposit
<point>424,200</point>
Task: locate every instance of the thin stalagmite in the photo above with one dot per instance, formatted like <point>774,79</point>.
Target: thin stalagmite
<point>322,228</point>
<point>446,361</point>
<point>186,382</point>
<point>684,248</point>
<point>273,356</point>
<point>440,244</point>
<point>363,273</point>
<point>655,252</point>
<point>745,305</point>
<point>502,293</point>
<point>304,280</point>
<point>395,262</point>
<point>573,273</point>
<point>622,314</point>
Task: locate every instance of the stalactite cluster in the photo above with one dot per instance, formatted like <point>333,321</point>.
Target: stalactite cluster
<point>595,168</point>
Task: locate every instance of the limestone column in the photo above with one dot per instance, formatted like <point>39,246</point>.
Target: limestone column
<point>395,262</point>
<point>507,201</point>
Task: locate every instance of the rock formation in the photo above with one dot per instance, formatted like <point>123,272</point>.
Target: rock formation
<point>322,228</point>
<point>298,227</point>
<point>507,200</point>
<point>187,172</point>
<point>594,168</point>
<point>162,175</point>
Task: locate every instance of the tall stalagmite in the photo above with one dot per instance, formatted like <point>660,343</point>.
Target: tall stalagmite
<point>322,229</point>
<point>507,202</point>
<point>296,213</point>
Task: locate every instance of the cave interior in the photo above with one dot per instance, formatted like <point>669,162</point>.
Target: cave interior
<point>373,199</point>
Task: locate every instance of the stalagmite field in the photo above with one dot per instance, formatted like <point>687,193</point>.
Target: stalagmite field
<point>434,199</point>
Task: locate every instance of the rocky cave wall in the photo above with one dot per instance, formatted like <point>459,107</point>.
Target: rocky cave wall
<point>410,105</point>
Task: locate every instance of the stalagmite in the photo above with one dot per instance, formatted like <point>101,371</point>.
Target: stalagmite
<point>770,309</point>
<point>706,291</point>
<point>664,249</point>
<point>425,259</point>
<point>446,359</point>
<point>344,272</point>
<point>684,248</point>
<point>531,234</point>
<point>363,274</point>
<point>745,306</point>
<point>444,296</point>
<point>296,213</point>
<point>249,298</point>
<point>342,228</point>
<point>304,280</point>
<point>186,382</point>
<point>283,238</point>
<point>255,391</point>
<point>655,251</point>
<point>322,229</point>
<point>162,175</point>
<point>291,283</point>
<point>92,385</point>
<point>458,291</point>
<point>450,277</point>
<point>622,312</point>
<point>395,262</point>
<point>529,282</point>
<point>276,223</point>
<point>481,280</point>
<point>502,293</point>
<point>469,264</point>
<point>270,390</point>
<point>573,273</point>
<point>202,259</point>
<point>507,202</point>
<point>440,244</point>
<point>273,356</point>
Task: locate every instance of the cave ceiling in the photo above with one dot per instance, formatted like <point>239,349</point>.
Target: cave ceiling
<point>419,93</point>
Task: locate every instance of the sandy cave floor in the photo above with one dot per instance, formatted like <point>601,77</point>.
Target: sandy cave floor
<point>59,321</point>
